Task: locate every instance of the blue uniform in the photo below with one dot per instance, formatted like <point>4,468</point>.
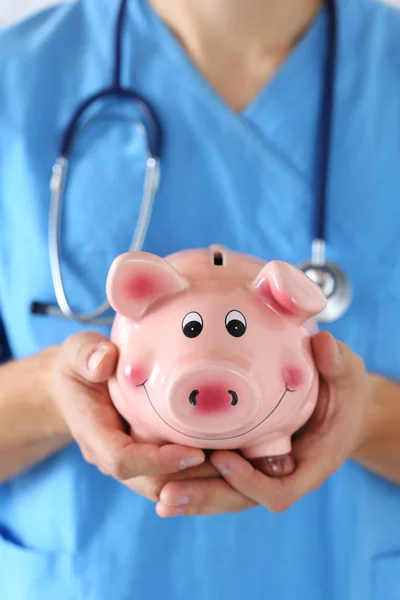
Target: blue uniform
<point>244,180</point>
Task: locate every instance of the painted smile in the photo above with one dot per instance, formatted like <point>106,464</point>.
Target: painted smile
<point>214,438</point>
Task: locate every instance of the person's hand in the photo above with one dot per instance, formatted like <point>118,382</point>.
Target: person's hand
<point>336,429</point>
<point>79,390</point>
<point>151,486</point>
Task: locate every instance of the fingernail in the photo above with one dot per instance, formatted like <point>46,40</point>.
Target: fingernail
<point>223,469</point>
<point>181,501</point>
<point>179,512</point>
<point>191,461</point>
<point>275,466</point>
<point>96,358</point>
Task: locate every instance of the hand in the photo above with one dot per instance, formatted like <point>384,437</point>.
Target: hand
<point>151,487</point>
<point>336,429</point>
<point>78,384</point>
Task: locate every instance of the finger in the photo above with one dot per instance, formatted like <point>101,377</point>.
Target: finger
<point>151,487</point>
<point>200,497</point>
<point>277,493</point>
<point>204,471</point>
<point>122,458</point>
<point>341,373</point>
<point>250,482</point>
<point>334,360</point>
<point>89,356</point>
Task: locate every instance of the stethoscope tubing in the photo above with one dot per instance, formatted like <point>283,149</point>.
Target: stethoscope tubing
<point>329,276</point>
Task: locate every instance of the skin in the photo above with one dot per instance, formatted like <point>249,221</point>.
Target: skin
<point>237,46</point>
<point>341,427</point>
<point>60,395</point>
<point>357,417</point>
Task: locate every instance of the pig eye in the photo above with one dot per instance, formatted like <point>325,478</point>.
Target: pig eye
<point>192,325</point>
<point>235,323</point>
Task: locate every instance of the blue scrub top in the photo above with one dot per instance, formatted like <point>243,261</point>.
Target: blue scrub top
<point>244,180</point>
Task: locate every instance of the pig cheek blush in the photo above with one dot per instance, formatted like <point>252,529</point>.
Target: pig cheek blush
<point>134,374</point>
<point>293,378</point>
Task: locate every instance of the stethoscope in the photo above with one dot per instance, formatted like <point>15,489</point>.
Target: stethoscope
<point>330,277</point>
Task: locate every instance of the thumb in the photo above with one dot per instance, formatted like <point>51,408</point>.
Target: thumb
<point>334,360</point>
<point>89,356</point>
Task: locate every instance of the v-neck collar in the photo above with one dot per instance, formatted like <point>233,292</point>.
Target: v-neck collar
<point>286,112</point>
<point>173,49</point>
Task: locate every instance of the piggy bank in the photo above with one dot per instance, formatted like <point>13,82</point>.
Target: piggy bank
<point>214,349</point>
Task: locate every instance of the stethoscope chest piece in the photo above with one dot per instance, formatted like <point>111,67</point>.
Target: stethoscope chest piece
<point>336,286</point>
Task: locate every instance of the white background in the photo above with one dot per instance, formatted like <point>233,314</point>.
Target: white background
<point>12,10</point>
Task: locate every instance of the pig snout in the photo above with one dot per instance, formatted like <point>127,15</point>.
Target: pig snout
<point>213,398</point>
<point>213,401</point>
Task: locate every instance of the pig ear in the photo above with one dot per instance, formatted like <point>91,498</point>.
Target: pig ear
<point>289,291</point>
<point>138,279</point>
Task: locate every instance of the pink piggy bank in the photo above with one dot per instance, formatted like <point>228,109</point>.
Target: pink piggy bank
<point>214,349</point>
